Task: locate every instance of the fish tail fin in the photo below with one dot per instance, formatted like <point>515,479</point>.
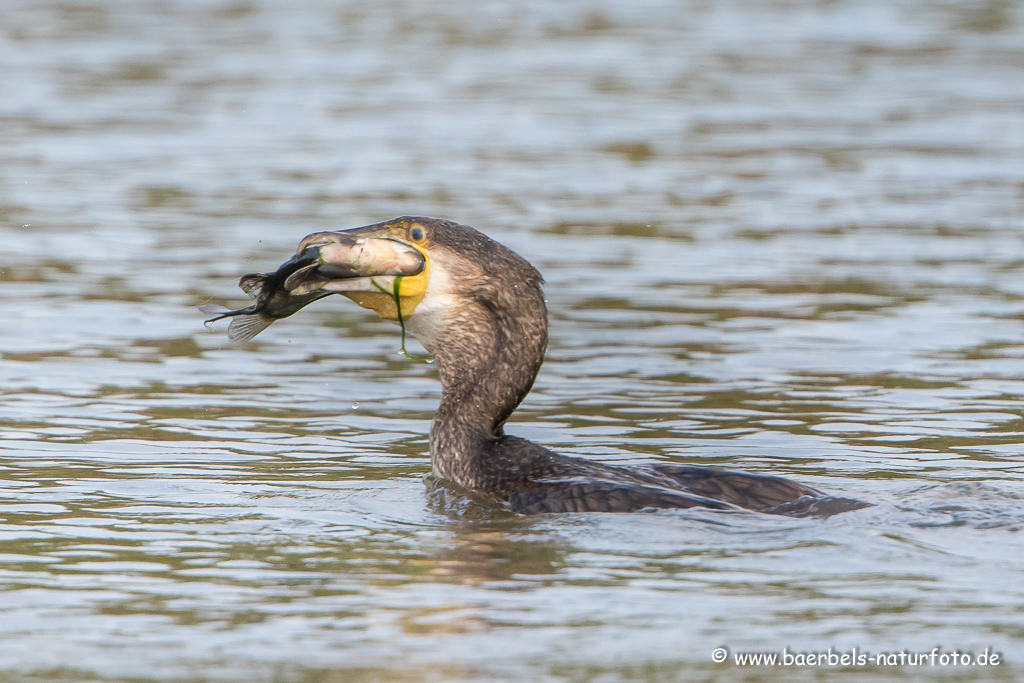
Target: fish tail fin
<point>216,310</point>
<point>245,327</point>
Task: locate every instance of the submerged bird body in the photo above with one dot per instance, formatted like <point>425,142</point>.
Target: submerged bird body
<point>478,308</point>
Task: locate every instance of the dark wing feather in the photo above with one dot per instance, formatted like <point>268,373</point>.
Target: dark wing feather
<point>602,496</point>
<point>751,491</point>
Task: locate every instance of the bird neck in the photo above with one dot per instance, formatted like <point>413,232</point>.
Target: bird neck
<point>487,362</point>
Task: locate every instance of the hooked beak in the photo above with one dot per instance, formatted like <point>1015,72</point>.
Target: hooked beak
<point>348,261</point>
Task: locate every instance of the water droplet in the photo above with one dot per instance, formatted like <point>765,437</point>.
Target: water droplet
<point>355,406</point>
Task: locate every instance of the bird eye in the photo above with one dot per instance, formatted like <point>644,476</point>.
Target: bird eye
<point>417,234</point>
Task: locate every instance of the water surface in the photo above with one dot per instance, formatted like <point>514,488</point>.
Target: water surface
<point>782,237</point>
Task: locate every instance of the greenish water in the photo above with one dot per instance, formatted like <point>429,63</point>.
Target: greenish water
<point>781,237</point>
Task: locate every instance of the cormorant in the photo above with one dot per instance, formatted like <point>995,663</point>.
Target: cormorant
<point>478,309</point>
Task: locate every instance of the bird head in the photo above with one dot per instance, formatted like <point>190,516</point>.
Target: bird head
<point>435,276</point>
<point>384,267</point>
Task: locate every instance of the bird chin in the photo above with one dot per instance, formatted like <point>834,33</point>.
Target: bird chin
<point>382,304</point>
<point>439,303</point>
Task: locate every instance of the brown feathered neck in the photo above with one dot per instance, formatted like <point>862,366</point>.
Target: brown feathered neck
<point>488,341</point>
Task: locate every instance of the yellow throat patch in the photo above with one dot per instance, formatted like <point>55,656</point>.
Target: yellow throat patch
<point>411,290</point>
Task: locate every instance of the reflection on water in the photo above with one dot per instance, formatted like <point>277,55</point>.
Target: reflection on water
<point>783,238</point>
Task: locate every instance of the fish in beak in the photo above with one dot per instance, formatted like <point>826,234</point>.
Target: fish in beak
<point>369,265</point>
